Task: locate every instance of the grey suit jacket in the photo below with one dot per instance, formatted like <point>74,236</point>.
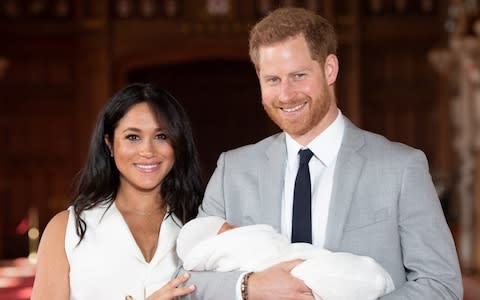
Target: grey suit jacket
<point>383,205</point>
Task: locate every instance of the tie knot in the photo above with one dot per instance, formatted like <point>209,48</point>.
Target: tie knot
<point>305,156</point>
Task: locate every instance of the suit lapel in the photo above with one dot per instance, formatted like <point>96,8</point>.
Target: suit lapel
<point>271,179</point>
<point>347,172</point>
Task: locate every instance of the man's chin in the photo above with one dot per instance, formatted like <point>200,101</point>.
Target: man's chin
<point>295,131</point>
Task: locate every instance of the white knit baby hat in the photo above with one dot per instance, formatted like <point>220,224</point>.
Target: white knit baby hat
<point>195,231</point>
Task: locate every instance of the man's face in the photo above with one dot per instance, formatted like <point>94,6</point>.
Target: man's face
<point>297,91</point>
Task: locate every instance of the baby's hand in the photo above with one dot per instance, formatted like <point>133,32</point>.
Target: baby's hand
<point>226,226</point>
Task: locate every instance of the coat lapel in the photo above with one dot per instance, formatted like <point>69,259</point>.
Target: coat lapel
<point>347,172</point>
<point>271,180</point>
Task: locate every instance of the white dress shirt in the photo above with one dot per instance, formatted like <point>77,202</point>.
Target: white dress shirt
<point>325,149</point>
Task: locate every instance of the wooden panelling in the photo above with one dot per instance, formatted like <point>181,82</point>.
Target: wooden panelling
<point>222,98</point>
<point>56,75</point>
<point>63,69</point>
<point>399,92</point>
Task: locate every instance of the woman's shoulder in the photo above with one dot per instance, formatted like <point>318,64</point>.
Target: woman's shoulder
<point>54,233</point>
<point>52,265</point>
<point>53,237</point>
<point>58,223</point>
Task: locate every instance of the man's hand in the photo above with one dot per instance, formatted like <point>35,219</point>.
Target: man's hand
<point>277,283</point>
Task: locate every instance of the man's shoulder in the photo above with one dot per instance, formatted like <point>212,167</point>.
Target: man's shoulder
<point>258,148</point>
<point>379,146</point>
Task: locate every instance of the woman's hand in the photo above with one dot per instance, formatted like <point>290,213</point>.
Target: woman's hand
<point>171,290</point>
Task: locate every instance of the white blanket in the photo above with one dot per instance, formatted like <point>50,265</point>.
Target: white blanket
<point>330,275</point>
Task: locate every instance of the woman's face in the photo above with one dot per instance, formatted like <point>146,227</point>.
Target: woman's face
<point>141,149</point>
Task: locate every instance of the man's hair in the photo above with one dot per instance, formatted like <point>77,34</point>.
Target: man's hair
<point>284,23</point>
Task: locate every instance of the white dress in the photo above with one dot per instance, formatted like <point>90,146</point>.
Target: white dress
<point>108,264</point>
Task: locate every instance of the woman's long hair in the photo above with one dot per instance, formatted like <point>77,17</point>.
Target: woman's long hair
<point>99,180</point>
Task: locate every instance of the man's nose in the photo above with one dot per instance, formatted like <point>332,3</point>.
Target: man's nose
<point>287,91</point>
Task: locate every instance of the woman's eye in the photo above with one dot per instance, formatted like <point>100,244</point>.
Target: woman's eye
<point>162,136</point>
<point>132,137</point>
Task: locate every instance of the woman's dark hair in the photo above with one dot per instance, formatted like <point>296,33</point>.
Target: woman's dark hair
<point>98,181</point>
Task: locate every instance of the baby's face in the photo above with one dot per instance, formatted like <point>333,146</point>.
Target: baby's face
<point>226,226</point>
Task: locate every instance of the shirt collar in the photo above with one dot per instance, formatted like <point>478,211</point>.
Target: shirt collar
<point>325,146</point>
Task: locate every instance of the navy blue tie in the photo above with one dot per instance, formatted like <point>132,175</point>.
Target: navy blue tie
<point>302,201</point>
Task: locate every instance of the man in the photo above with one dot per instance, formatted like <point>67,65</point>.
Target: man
<point>369,196</point>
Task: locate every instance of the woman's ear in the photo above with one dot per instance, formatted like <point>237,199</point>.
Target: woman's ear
<point>331,69</point>
<point>107,142</point>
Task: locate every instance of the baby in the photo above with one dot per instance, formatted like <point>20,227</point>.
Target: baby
<point>212,244</point>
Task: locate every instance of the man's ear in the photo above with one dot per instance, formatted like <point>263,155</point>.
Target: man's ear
<point>331,69</point>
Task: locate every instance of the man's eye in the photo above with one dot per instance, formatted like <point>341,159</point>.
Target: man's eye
<point>273,80</point>
<point>299,75</point>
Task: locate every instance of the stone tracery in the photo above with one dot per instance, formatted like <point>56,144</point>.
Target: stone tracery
<point>459,63</point>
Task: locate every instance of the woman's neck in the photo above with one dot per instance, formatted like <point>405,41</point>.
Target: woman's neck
<point>141,203</point>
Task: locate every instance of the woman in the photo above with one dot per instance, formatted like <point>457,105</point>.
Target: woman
<point>140,183</point>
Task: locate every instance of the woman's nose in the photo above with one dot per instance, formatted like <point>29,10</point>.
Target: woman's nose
<point>147,149</point>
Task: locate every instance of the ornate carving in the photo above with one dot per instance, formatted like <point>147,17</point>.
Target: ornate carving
<point>148,8</point>
<point>171,8</point>
<point>61,8</point>
<point>218,7</point>
<point>3,66</point>
<point>459,63</point>
<point>123,8</point>
<point>12,8</point>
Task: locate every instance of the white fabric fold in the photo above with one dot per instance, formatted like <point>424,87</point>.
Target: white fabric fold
<point>330,275</point>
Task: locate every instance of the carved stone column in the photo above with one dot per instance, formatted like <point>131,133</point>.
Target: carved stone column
<point>460,64</point>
